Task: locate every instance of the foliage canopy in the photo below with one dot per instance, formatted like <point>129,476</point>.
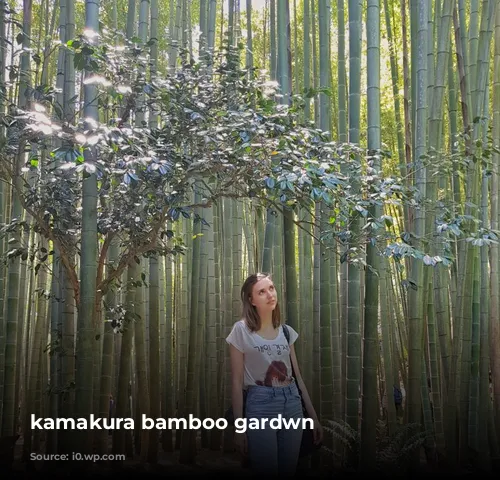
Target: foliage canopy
<point>208,128</point>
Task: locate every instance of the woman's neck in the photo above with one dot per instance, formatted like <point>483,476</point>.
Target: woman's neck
<point>266,321</point>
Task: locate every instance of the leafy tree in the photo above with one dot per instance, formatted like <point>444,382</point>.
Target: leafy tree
<point>219,133</point>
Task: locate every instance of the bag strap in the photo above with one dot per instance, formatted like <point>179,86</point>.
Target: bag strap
<point>286,332</point>
<point>287,336</point>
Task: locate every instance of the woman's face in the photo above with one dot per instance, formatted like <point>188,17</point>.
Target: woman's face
<point>264,295</point>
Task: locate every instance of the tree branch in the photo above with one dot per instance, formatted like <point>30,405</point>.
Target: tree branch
<point>150,241</point>
<point>102,256</point>
<point>49,233</point>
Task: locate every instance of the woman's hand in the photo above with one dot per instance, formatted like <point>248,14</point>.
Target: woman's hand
<point>240,441</point>
<point>318,433</point>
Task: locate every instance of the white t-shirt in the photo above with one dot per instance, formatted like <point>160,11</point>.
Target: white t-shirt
<point>267,362</point>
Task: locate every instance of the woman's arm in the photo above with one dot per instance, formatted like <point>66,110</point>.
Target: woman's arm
<point>318,431</point>
<point>237,366</point>
<point>237,372</point>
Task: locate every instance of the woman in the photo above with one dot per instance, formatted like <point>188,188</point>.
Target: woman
<point>261,364</point>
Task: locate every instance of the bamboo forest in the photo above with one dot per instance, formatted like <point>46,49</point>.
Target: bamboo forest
<point>154,153</point>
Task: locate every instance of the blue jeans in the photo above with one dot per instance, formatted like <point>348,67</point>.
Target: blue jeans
<point>271,450</point>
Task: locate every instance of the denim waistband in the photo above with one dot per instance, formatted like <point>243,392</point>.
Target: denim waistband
<point>290,388</point>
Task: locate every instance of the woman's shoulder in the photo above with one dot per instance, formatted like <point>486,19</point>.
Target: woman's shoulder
<point>237,335</point>
<point>292,333</point>
<point>241,325</point>
<point>288,327</point>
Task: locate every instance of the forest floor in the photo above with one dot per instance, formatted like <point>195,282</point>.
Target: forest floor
<point>208,463</point>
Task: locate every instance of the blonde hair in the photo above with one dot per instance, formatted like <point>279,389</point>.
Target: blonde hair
<point>250,314</point>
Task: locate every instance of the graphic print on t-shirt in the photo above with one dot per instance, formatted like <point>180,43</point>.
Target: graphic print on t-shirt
<point>267,362</point>
<point>276,375</point>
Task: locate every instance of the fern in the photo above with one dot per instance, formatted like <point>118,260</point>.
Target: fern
<point>393,452</point>
<point>401,446</point>
<point>343,428</point>
<point>344,433</point>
